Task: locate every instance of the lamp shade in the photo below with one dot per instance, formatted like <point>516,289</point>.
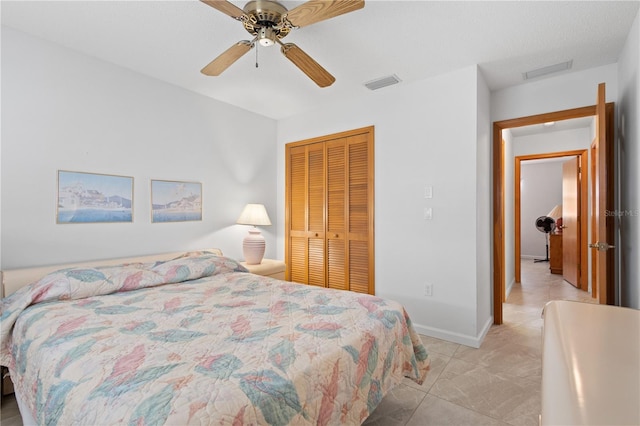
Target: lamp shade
<point>556,212</point>
<point>254,214</point>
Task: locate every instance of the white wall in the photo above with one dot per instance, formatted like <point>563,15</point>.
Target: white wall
<point>484,218</point>
<point>550,142</point>
<point>540,191</point>
<point>629,141</point>
<point>426,133</point>
<point>566,91</point>
<point>509,213</point>
<point>64,110</point>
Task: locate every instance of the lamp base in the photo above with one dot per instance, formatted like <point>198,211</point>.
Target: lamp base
<point>253,247</point>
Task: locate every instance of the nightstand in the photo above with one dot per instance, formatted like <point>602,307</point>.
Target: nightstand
<point>269,268</point>
<point>555,253</point>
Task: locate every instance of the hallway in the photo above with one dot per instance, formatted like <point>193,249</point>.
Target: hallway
<point>538,286</point>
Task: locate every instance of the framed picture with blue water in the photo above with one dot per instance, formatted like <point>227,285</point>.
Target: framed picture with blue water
<point>94,198</point>
<point>175,201</point>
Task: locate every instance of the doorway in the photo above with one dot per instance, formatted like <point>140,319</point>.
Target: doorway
<point>498,149</point>
<point>578,269</point>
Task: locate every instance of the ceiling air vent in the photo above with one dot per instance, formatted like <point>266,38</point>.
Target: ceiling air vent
<point>562,66</point>
<point>381,82</point>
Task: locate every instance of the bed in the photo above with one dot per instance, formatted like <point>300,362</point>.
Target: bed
<point>193,338</point>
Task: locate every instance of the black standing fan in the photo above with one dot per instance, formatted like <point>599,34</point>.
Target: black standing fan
<point>545,224</point>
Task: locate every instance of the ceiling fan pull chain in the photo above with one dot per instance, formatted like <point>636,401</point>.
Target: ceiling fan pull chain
<point>256,56</point>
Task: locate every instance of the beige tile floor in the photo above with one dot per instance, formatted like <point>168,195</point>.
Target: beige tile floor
<point>497,384</point>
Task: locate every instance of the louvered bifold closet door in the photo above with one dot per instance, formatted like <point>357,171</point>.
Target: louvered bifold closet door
<point>316,197</point>
<point>336,214</point>
<point>359,214</point>
<point>306,251</point>
<point>297,185</point>
<point>329,217</point>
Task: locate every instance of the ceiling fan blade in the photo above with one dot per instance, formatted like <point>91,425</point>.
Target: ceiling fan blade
<point>318,10</point>
<point>226,58</point>
<point>307,65</point>
<point>225,7</point>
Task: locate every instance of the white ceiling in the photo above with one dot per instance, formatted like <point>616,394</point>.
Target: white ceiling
<point>173,40</point>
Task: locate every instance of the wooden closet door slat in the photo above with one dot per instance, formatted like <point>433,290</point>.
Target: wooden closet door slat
<point>316,189</point>
<point>336,186</point>
<point>336,214</point>
<point>358,266</point>
<point>297,179</point>
<point>316,203</point>
<point>316,262</point>
<point>298,259</point>
<point>336,262</point>
<point>358,212</point>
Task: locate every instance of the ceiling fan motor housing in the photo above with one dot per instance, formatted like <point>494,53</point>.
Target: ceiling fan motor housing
<point>265,21</point>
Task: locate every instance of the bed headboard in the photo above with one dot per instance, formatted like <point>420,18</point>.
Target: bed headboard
<point>14,279</point>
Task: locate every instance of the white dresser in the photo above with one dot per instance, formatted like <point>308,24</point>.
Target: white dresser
<point>590,365</point>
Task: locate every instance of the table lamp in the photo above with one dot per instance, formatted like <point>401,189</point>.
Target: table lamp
<point>253,244</point>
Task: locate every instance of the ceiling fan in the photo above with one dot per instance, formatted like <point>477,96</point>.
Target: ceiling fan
<point>269,22</point>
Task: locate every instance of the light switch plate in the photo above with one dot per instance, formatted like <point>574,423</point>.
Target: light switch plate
<point>428,191</point>
<point>428,213</point>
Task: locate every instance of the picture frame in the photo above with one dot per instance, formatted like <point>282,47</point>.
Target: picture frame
<point>175,201</point>
<point>85,197</point>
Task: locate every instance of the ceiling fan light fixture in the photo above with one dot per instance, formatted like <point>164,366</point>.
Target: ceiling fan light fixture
<point>266,37</point>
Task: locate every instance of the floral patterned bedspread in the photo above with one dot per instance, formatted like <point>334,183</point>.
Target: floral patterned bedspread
<point>198,340</point>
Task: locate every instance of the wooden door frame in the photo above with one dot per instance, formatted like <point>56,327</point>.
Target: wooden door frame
<point>584,209</point>
<point>592,188</point>
<point>498,191</point>
<point>607,295</point>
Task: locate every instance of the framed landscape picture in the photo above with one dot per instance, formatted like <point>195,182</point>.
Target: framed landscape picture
<point>94,198</point>
<point>175,201</point>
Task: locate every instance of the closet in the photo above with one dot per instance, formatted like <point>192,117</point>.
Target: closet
<point>329,228</point>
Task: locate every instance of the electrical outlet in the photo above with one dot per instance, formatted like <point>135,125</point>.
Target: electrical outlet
<point>428,213</point>
<point>428,290</point>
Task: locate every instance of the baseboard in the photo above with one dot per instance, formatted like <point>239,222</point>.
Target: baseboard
<point>463,339</point>
<point>509,288</point>
<point>532,256</point>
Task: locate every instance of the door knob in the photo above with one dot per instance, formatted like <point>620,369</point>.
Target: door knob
<point>601,246</point>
